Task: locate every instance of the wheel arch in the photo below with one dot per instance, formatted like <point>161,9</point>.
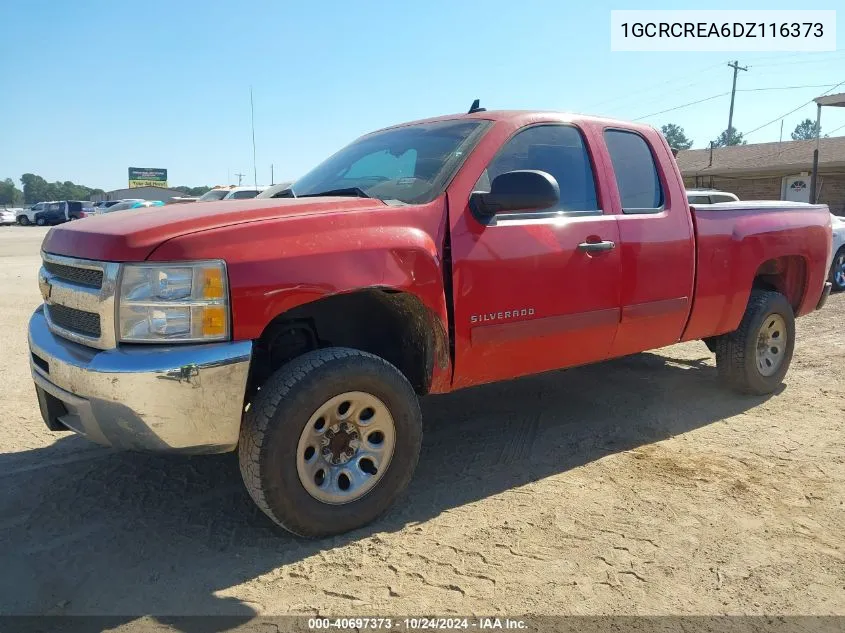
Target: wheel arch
<point>788,275</point>
<point>393,324</point>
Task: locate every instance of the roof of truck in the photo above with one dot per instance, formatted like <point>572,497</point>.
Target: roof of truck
<point>505,115</point>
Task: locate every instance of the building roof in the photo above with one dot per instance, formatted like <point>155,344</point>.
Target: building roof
<point>763,158</point>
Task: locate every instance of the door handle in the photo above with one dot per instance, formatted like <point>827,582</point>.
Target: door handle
<point>591,247</point>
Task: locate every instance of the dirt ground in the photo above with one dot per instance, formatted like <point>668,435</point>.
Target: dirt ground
<point>637,486</point>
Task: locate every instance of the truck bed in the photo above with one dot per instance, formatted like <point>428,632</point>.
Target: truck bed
<point>731,238</point>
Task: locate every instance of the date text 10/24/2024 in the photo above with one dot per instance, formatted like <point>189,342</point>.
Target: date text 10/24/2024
<point>417,623</point>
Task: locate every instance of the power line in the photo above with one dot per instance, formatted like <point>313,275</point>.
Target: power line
<point>784,88</point>
<point>793,111</point>
<point>665,82</point>
<point>685,105</point>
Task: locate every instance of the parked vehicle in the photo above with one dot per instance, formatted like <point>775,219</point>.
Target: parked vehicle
<point>64,211</point>
<point>709,196</point>
<point>26,216</point>
<point>145,204</point>
<point>120,205</point>
<point>9,216</point>
<point>105,204</point>
<point>837,267</point>
<point>244,193</point>
<point>53,213</point>
<point>215,194</point>
<point>422,258</point>
<point>276,191</point>
<point>181,199</point>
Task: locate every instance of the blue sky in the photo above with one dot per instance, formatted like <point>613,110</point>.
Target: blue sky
<point>92,87</point>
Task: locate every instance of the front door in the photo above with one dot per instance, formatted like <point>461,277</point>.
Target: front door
<point>532,290</point>
<point>797,188</point>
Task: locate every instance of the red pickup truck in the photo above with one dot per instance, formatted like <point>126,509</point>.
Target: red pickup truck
<point>422,258</point>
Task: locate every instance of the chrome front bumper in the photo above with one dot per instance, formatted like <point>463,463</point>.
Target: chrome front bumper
<point>182,398</point>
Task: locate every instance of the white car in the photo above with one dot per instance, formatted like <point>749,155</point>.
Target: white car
<point>9,216</point>
<point>709,196</point>
<point>26,216</point>
<point>837,267</point>
<point>273,191</point>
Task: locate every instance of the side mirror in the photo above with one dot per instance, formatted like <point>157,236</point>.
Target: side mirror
<point>520,190</point>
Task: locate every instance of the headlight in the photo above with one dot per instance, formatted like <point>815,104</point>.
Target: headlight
<point>173,303</point>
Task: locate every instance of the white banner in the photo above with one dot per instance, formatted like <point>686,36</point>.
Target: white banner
<point>722,30</point>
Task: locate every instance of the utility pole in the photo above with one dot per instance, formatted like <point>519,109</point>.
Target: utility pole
<point>252,123</point>
<point>735,65</point>
<point>272,182</point>
<point>240,177</point>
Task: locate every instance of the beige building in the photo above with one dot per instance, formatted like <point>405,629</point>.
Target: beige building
<point>770,171</point>
<point>142,193</point>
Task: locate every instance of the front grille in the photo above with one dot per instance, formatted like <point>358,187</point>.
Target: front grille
<point>79,321</point>
<point>82,276</point>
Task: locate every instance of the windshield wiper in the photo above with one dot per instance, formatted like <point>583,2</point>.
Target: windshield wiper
<point>355,192</point>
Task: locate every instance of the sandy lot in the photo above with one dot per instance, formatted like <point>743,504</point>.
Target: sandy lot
<point>638,486</point>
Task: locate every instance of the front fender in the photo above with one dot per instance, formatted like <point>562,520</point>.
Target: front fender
<point>275,266</point>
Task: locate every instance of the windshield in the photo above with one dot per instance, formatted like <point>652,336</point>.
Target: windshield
<point>411,164</point>
<point>214,194</point>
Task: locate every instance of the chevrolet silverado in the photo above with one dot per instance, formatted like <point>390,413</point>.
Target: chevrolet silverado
<point>420,259</point>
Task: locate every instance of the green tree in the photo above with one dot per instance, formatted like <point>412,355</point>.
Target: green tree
<point>675,136</point>
<point>729,137</point>
<point>10,195</point>
<point>192,191</point>
<point>36,189</point>
<point>806,130</point>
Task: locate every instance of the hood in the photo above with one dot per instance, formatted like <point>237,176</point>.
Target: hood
<point>131,235</point>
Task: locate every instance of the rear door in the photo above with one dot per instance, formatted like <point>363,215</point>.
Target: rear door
<point>657,241</point>
<point>530,292</point>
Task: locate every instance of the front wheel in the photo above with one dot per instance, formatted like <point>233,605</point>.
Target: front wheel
<point>330,441</point>
<point>41,221</point>
<point>755,358</point>
<point>837,270</point>
<point>23,220</point>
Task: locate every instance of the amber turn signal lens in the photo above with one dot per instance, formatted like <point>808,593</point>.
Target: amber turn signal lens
<point>213,320</point>
<point>211,281</point>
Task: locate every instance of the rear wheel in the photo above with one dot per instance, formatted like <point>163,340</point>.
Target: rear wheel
<point>837,270</point>
<point>755,358</point>
<point>330,442</point>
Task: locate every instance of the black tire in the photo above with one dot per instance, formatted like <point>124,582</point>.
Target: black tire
<point>736,353</point>
<point>23,220</point>
<point>711,342</point>
<point>838,261</point>
<point>40,221</point>
<point>272,426</point>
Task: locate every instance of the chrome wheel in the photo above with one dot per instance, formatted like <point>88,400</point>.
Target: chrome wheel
<point>771,344</point>
<point>839,271</point>
<point>345,448</point>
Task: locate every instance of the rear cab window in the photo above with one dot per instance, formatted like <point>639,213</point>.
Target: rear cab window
<point>637,178</point>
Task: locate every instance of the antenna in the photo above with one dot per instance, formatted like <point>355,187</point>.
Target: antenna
<point>475,107</point>
<point>252,111</point>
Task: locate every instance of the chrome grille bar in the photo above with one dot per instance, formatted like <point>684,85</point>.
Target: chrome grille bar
<point>74,305</point>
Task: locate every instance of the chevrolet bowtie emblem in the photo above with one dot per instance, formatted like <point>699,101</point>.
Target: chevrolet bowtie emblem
<point>46,287</point>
